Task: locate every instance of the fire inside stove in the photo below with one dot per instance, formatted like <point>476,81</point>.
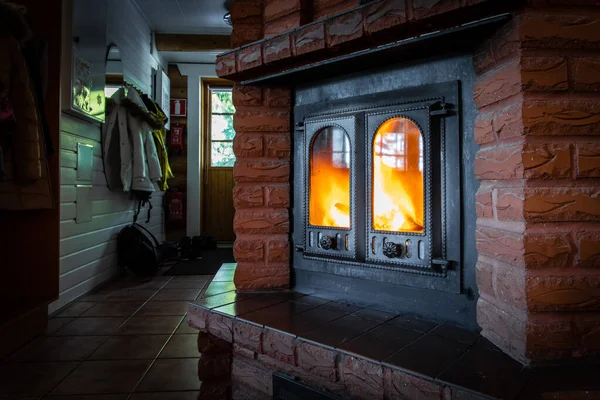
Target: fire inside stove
<point>397,190</point>
<point>330,179</point>
<point>398,177</point>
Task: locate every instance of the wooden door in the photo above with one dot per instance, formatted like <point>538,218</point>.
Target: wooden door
<point>218,159</point>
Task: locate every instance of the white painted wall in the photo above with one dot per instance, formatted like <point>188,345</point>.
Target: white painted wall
<point>194,72</point>
<point>88,250</point>
<point>128,28</point>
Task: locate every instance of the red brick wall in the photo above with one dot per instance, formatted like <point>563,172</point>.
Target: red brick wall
<point>538,93</point>
<point>538,235</point>
<point>247,21</point>
<point>262,190</point>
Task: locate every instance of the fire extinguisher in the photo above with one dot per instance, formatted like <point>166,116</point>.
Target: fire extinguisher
<point>176,138</point>
<point>174,206</point>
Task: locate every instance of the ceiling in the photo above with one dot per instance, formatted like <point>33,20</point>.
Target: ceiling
<point>186,16</point>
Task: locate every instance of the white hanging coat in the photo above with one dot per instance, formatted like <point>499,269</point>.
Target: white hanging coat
<point>130,158</point>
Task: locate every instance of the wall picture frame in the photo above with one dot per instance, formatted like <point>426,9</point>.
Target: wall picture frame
<point>86,57</point>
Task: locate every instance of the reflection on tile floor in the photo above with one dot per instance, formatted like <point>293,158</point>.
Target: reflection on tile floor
<point>129,340</point>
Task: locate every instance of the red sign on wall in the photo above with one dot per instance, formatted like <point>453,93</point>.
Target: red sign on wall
<point>176,139</point>
<point>178,107</point>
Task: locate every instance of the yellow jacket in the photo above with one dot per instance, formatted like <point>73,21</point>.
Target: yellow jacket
<point>160,138</point>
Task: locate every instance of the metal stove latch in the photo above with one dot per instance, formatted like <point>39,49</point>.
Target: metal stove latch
<point>441,264</point>
<point>441,108</point>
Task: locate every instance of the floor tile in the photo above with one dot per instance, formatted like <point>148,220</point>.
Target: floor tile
<point>281,311</point>
<point>91,397</point>
<point>131,295</point>
<point>429,355</point>
<point>32,379</point>
<point>113,309</point>
<point>165,396</point>
<point>99,295</point>
<point>163,308</point>
<point>485,369</point>
<point>224,276</point>
<point>92,326</point>
<point>381,342</point>
<point>220,300</point>
<point>76,309</point>
<point>184,328</point>
<point>54,324</point>
<point>181,346</point>
<point>253,304</point>
<point>171,374</point>
<point>137,284</point>
<point>456,333</point>
<point>176,294</point>
<point>58,348</point>
<point>410,322</point>
<point>312,300</point>
<point>22,398</point>
<point>150,325</point>
<point>374,315</point>
<point>566,382</point>
<point>340,330</point>
<point>296,324</point>
<point>328,312</point>
<point>228,265</point>
<point>187,283</point>
<point>130,347</point>
<point>215,288</point>
<point>95,377</point>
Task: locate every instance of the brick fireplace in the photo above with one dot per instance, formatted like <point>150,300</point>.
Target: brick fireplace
<point>536,89</point>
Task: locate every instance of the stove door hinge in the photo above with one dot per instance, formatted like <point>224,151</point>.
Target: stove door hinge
<point>441,265</point>
<point>441,109</point>
<point>299,249</point>
<point>300,126</point>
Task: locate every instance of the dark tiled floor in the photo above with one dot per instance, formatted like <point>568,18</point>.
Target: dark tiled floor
<point>127,341</point>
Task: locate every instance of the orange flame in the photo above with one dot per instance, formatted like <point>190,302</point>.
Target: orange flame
<point>329,203</point>
<point>397,178</point>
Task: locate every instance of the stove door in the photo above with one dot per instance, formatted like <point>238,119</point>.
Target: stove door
<point>330,194</point>
<point>399,175</point>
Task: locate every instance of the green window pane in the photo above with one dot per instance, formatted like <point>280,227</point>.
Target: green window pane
<point>222,102</point>
<point>222,154</point>
<point>222,127</point>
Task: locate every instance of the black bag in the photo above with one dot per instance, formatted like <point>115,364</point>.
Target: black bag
<point>138,250</point>
<point>142,198</point>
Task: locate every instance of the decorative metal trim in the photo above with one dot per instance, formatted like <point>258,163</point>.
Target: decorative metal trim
<point>443,226</point>
<point>373,265</point>
<point>376,107</point>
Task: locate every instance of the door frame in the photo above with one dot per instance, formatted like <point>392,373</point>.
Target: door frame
<point>205,85</point>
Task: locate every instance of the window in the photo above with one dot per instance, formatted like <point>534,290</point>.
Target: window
<point>220,125</point>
